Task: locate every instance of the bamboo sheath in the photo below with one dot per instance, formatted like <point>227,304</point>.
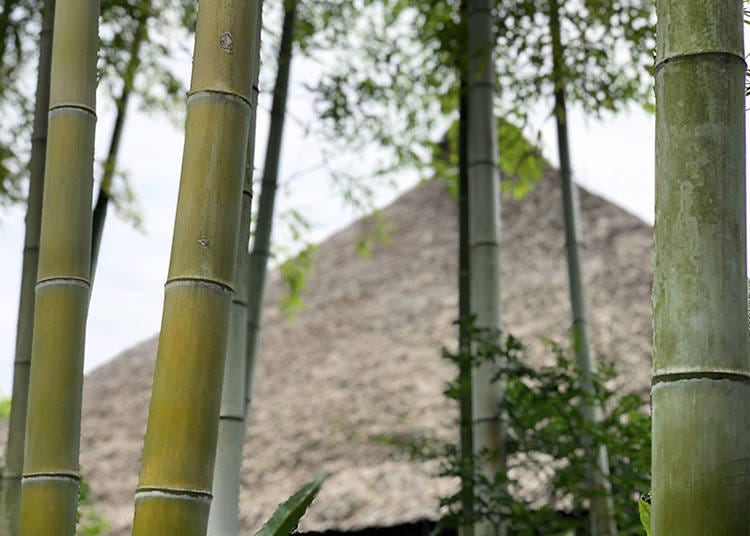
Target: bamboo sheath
<point>601,511</point>
<point>701,374</point>
<point>50,474</point>
<point>484,247</point>
<point>258,262</point>
<point>11,507</point>
<point>224,514</point>
<point>174,492</point>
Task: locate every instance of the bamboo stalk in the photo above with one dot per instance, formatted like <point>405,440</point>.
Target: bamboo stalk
<point>602,521</point>
<point>464,302</point>
<point>258,262</point>
<point>19,399</point>
<point>110,165</point>
<point>224,516</point>
<point>50,471</point>
<point>174,493</point>
<point>701,375</point>
<point>484,247</point>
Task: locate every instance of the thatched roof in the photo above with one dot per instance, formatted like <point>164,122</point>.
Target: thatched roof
<point>361,362</point>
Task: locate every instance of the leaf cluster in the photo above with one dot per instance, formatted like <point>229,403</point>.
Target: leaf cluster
<point>89,522</point>
<point>608,51</point>
<point>521,160</point>
<point>20,23</point>
<point>296,272</point>
<point>161,25</point>
<point>391,68</point>
<point>549,443</point>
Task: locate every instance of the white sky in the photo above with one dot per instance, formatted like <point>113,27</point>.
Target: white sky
<point>613,158</point>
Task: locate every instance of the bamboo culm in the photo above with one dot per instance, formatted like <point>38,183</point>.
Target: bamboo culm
<point>258,263</point>
<point>11,481</point>
<point>602,519</point>
<point>701,377</point>
<point>175,487</point>
<point>110,165</point>
<point>464,303</point>
<point>484,248</point>
<point>224,516</point>
<point>50,471</point>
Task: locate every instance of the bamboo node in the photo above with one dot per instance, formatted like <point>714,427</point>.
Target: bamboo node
<point>226,43</point>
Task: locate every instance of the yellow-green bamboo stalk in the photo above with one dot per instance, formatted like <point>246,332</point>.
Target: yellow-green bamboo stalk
<point>174,493</point>
<point>258,262</point>
<point>50,471</point>
<point>701,374</point>
<point>19,400</point>
<point>121,103</point>
<point>602,520</point>
<point>224,517</point>
<point>484,250</point>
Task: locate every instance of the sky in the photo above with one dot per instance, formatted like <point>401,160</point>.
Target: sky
<point>613,157</point>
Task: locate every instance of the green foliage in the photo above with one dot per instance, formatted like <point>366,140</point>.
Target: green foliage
<point>549,443</point>
<point>521,160</point>
<point>392,71</point>
<point>20,21</point>
<point>89,522</point>
<point>123,198</point>
<point>4,408</point>
<point>286,518</point>
<point>378,231</point>
<point>608,51</point>
<point>295,272</point>
<point>156,85</point>
<point>644,511</point>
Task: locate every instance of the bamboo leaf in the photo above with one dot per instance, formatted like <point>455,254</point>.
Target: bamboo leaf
<point>644,511</point>
<point>287,516</point>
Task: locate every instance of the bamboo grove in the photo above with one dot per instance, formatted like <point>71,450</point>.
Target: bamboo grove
<point>488,61</point>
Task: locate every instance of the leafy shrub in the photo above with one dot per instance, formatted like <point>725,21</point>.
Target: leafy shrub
<point>89,522</point>
<point>549,444</point>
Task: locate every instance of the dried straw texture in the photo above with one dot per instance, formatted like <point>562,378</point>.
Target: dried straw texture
<point>361,362</point>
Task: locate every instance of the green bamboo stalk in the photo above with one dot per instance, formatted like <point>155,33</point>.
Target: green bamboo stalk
<point>701,374</point>
<point>602,519</point>
<point>484,247</point>
<point>257,266</point>
<point>174,493</point>
<point>13,471</point>
<point>224,516</point>
<point>50,471</point>
<point>110,165</point>
<point>464,303</point>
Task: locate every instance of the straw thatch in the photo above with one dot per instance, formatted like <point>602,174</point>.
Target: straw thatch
<point>361,362</point>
